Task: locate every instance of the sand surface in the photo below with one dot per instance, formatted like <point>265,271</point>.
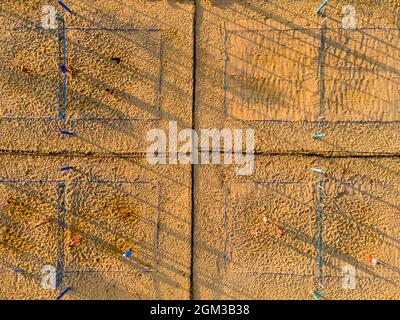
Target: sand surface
<point>200,231</point>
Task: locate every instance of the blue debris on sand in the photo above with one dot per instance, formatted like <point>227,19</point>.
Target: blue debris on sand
<point>67,168</point>
<point>62,4</point>
<point>127,254</point>
<point>68,133</point>
<point>63,293</point>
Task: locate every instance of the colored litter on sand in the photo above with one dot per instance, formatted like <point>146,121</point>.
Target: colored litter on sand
<point>318,136</point>
<point>68,133</point>
<point>75,243</point>
<point>67,168</point>
<point>127,254</point>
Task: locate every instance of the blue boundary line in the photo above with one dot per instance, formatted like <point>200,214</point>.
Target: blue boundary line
<point>61,219</point>
<point>62,62</point>
<point>115,119</point>
<point>281,182</point>
<point>322,84</point>
<point>62,4</point>
<point>75,181</point>
<point>361,122</point>
<point>322,6</point>
<point>63,293</point>
<point>65,74</point>
<point>113,181</point>
<point>272,29</point>
<point>58,67</point>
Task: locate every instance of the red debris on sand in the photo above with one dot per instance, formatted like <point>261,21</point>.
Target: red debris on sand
<point>374,261</point>
<point>75,242</point>
<point>280,231</point>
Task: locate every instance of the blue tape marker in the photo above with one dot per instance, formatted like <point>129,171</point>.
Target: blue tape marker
<point>63,69</point>
<point>318,170</point>
<point>67,168</point>
<point>322,6</point>
<point>62,4</point>
<point>68,133</point>
<point>63,293</point>
<point>318,136</point>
